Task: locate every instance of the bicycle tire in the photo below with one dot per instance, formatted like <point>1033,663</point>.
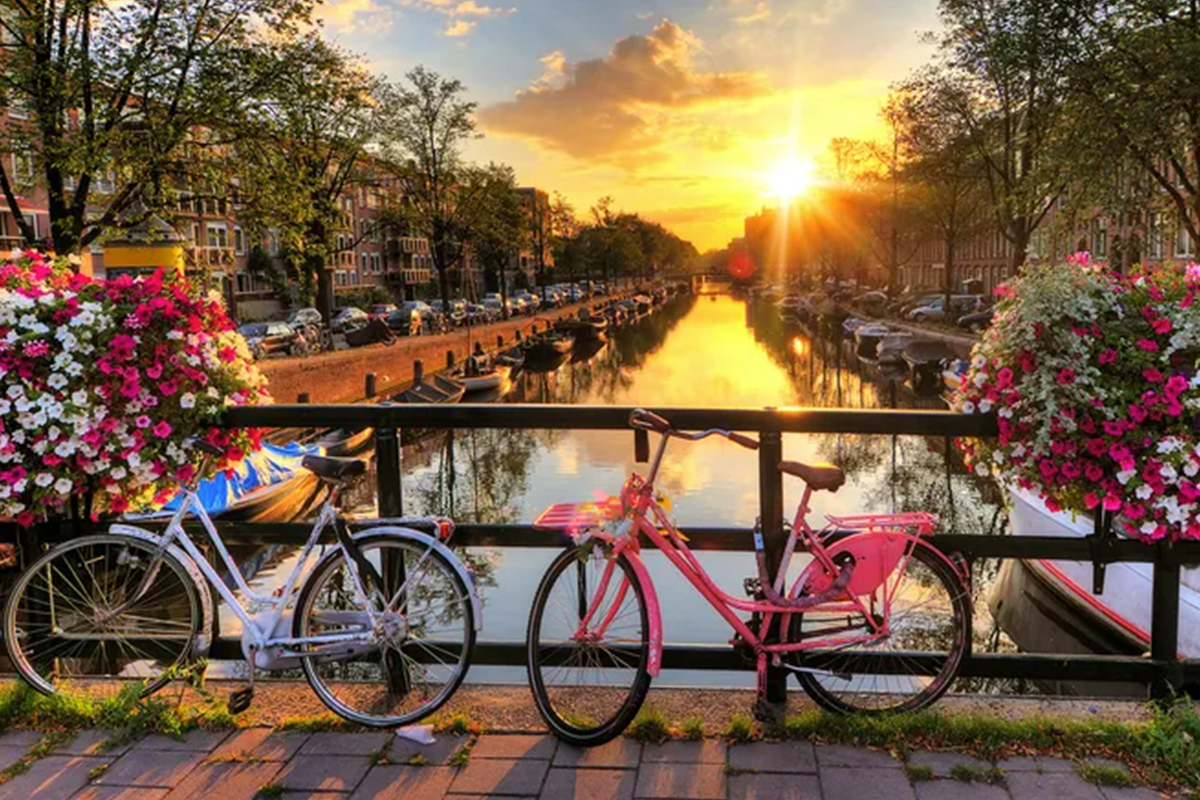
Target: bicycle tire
<point>323,687</point>
<point>574,731</point>
<point>842,702</point>
<point>173,593</point>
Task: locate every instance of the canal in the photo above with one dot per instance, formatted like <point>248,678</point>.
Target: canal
<point>708,350</point>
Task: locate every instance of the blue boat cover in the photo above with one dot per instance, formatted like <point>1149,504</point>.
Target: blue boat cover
<point>270,465</point>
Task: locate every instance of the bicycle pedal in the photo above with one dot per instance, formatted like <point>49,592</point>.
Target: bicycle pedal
<point>240,700</point>
<point>752,586</point>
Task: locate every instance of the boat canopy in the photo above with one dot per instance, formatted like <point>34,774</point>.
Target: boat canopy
<point>271,465</point>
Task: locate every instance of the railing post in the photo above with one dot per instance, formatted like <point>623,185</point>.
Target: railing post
<point>770,499</point>
<point>387,472</point>
<point>369,387</point>
<point>1164,625</point>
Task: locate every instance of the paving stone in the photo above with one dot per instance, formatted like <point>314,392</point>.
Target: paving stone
<point>1035,764</point>
<point>390,782</point>
<point>681,781</point>
<point>955,790</point>
<point>91,743</point>
<point>703,751</point>
<point>234,781</point>
<point>434,754</point>
<point>263,744</point>
<point>312,796</point>
<point>842,756</point>
<point>11,755</point>
<point>589,784</point>
<point>1057,785</point>
<point>51,778</point>
<point>150,768</point>
<point>943,763</point>
<point>120,793</point>
<point>620,752</point>
<point>1129,793</point>
<point>868,783</point>
<point>494,776</point>
<point>198,741</point>
<point>773,757</point>
<point>499,746</point>
<point>24,739</point>
<point>324,774</point>
<point>775,786</point>
<point>345,744</point>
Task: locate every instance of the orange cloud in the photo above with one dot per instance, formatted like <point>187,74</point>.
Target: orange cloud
<point>459,27</point>
<point>626,108</point>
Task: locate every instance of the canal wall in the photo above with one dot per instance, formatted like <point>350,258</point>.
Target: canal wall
<point>340,376</point>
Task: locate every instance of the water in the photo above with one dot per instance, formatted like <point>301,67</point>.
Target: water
<point>706,351</point>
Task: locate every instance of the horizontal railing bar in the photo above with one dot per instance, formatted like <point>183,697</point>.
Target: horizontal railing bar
<point>515,415</point>
<point>722,657</point>
<point>713,539</point>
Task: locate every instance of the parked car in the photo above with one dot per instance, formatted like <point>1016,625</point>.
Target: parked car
<point>304,316</point>
<point>494,306</point>
<point>480,314</point>
<point>269,338</point>
<point>381,310</point>
<point>349,318</point>
<point>874,301</point>
<point>401,319</point>
<point>935,309</point>
<point>532,301</point>
<point>977,321</point>
<point>457,313</point>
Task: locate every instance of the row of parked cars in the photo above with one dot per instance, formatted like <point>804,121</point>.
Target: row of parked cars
<point>969,311</point>
<point>303,331</point>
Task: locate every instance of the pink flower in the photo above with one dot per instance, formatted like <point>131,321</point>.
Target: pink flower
<point>1112,502</point>
<point>1093,472</point>
<point>1109,356</point>
<point>1114,427</point>
<point>1066,376</point>
<point>143,421</point>
<point>1149,345</point>
<point>1161,326</point>
<point>163,429</point>
<point>154,371</point>
<point>1152,375</point>
<point>1176,385</point>
<point>1137,413</point>
<point>1091,500</point>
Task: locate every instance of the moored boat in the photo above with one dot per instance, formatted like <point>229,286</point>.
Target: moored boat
<point>435,389</point>
<point>925,358</point>
<point>867,338</point>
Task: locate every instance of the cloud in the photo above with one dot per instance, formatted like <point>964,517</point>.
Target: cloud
<point>459,27</point>
<point>355,16</point>
<point>760,12</point>
<point>470,9</point>
<point>627,108</point>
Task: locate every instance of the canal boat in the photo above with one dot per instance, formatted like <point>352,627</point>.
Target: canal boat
<point>513,358</point>
<point>867,338</point>
<point>484,377</point>
<point>892,346</point>
<point>1048,605</point>
<point>549,347</point>
<point>925,359</point>
<point>436,389</point>
<point>643,303</point>
<point>583,328</point>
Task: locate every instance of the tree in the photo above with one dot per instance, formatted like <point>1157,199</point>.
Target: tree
<point>946,167</point>
<point>548,220</point>
<point>427,125</point>
<point>123,101</point>
<point>501,226</point>
<point>1001,81</point>
<point>1138,82</point>
<point>307,145</point>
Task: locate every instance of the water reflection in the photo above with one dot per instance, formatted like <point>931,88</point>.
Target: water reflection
<point>723,352</point>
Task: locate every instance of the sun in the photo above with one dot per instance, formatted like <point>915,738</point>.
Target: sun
<point>789,179</point>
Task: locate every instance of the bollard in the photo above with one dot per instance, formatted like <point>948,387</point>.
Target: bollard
<point>369,388</point>
<point>302,397</point>
<point>517,335</point>
<point>418,370</point>
<point>478,348</point>
<point>449,359</point>
<point>499,341</point>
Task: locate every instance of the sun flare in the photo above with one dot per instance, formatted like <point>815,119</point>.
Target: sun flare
<point>789,179</point>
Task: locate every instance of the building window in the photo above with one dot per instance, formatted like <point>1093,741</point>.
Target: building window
<point>23,167</point>
<point>1100,237</point>
<point>364,262</point>
<point>1155,244</point>
<point>375,263</point>
<point>239,242</point>
<point>1183,242</point>
<point>217,235</point>
<point>32,221</point>
<point>195,235</point>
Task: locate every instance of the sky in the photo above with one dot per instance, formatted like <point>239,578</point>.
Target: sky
<point>687,112</point>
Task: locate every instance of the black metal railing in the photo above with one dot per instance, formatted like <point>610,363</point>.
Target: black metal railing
<point>1162,671</point>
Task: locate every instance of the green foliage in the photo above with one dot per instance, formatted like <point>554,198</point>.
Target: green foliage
<point>966,774</point>
<point>650,725</point>
<point>364,297</point>
<point>918,772</point>
<point>319,723</point>
<point>270,791</point>
<point>740,729</point>
<point>1104,774</point>
<point>692,728</point>
<point>458,723</point>
<point>460,757</point>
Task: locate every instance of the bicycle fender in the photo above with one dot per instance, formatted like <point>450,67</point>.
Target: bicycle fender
<point>202,588</point>
<point>653,612</point>
<point>876,555</point>
<point>425,539</point>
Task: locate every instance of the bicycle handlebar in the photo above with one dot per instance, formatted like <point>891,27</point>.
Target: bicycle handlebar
<point>649,421</point>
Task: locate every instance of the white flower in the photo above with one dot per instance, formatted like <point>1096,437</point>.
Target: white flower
<point>1006,412</point>
<point>980,379</point>
<point>1144,492</point>
<point>64,449</point>
<point>57,381</point>
<point>63,485</point>
<point>118,473</point>
<point>16,390</point>
<point>1125,475</point>
<point>79,397</point>
<point>1148,527</point>
<point>187,400</point>
<point>979,361</point>
<point>43,479</point>
<point>985,406</point>
<point>998,456</point>
<point>1191,468</point>
<point>1168,473</point>
<point>968,407</point>
<point>982,470</point>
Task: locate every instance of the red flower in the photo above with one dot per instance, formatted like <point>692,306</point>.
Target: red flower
<point>1152,375</point>
<point>1149,345</point>
<point>1066,376</point>
<point>1109,356</point>
<point>1161,326</point>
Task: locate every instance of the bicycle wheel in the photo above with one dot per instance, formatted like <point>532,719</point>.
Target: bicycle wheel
<point>74,615</point>
<point>413,659</point>
<point>588,686</point>
<point>929,627</point>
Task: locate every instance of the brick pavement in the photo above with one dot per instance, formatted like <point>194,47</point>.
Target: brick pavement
<point>262,764</point>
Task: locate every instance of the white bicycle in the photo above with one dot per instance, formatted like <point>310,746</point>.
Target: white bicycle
<point>383,624</point>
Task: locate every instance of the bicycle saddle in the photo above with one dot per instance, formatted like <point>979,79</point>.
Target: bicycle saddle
<point>334,469</point>
<point>818,476</point>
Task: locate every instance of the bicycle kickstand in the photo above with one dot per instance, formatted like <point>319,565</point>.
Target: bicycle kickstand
<point>241,699</point>
<point>768,713</point>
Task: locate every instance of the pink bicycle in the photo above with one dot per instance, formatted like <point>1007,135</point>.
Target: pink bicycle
<point>877,621</point>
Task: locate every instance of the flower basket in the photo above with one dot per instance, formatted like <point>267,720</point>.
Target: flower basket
<point>103,382</point>
<point>1093,377</point>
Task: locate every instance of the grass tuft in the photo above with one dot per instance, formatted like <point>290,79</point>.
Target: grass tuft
<point>1104,774</point>
<point>270,791</point>
<point>740,729</point>
<point>318,723</point>
<point>459,723</point>
<point>918,772</point>
<point>961,772</point>
<point>650,725</point>
<point>692,728</point>
<point>418,760</point>
<point>462,756</point>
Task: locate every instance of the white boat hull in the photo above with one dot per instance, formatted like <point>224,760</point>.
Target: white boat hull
<point>1124,607</point>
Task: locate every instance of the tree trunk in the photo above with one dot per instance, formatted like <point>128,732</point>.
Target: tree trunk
<point>324,284</point>
<point>948,278</point>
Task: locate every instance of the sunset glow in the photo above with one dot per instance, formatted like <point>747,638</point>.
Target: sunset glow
<point>691,114</point>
